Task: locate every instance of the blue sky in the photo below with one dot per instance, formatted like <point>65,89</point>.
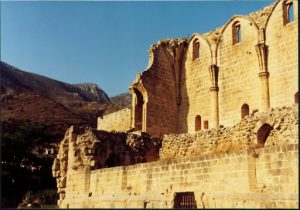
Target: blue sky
<point>102,42</point>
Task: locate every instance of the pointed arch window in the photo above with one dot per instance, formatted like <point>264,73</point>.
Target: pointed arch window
<point>196,49</point>
<point>288,12</point>
<point>236,33</point>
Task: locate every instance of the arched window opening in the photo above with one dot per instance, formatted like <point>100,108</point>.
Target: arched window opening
<point>197,123</point>
<point>291,12</point>
<point>263,133</point>
<point>236,33</point>
<point>138,110</point>
<point>196,49</point>
<point>244,110</point>
<point>288,12</point>
<point>296,98</point>
<point>205,124</point>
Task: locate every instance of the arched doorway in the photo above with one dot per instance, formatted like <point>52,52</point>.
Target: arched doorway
<point>263,133</point>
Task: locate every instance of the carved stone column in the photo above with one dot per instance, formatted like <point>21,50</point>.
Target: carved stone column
<point>262,52</point>
<point>214,97</point>
<point>264,78</point>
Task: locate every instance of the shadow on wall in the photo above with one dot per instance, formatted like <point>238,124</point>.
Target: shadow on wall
<point>185,101</point>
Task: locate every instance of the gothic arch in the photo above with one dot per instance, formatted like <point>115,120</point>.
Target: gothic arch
<point>202,41</point>
<point>139,107</point>
<point>276,4</point>
<point>236,18</point>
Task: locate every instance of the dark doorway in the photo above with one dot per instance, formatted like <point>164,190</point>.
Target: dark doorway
<point>263,134</point>
<point>197,123</point>
<point>139,110</point>
<point>185,200</point>
<point>245,110</point>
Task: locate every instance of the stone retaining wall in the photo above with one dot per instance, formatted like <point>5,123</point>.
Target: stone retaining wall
<point>260,178</point>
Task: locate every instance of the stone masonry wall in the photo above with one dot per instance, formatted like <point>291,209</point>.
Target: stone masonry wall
<point>195,88</point>
<point>261,178</point>
<point>160,82</point>
<point>259,71</point>
<point>283,56</point>
<point>283,121</point>
<point>84,147</point>
<point>238,74</point>
<point>116,121</point>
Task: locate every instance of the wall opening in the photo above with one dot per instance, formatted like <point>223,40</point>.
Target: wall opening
<point>296,98</point>
<point>244,110</point>
<point>206,124</point>
<point>236,33</point>
<point>198,123</point>
<point>138,115</point>
<point>263,133</point>
<point>113,161</point>
<point>184,200</point>
<point>288,12</point>
<point>196,49</point>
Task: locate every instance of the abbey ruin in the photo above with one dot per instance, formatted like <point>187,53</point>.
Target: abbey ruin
<point>213,124</point>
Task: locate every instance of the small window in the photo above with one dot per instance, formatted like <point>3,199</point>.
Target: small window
<point>205,124</point>
<point>197,123</point>
<point>236,33</point>
<point>244,110</point>
<point>196,49</point>
<point>296,98</point>
<point>288,13</point>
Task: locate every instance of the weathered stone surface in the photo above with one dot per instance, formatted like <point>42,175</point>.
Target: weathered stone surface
<point>84,147</point>
<point>283,120</point>
<point>226,110</point>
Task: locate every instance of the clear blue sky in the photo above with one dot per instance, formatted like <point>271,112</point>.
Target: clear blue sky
<point>102,42</point>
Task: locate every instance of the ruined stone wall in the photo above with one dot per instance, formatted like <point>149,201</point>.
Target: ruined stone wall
<point>85,148</point>
<point>258,71</point>
<point>116,121</point>
<point>195,88</point>
<point>160,83</point>
<point>282,40</point>
<point>238,73</point>
<point>284,130</point>
<point>261,178</point>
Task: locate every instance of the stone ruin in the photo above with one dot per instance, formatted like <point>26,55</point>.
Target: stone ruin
<point>86,147</point>
<point>213,124</point>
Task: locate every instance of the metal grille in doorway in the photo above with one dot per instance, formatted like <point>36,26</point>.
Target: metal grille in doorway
<point>184,200</point>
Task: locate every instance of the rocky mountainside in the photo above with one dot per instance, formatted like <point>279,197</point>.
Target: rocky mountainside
<point>14,80</point>
<point>93,92</point>
<point>119,102</point>
<point>29,96</point>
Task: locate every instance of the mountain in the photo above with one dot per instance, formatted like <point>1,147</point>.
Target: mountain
<point>29,96</point>
<point>93,92</point>
<point>119,102</point>
<point>15,79</point>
